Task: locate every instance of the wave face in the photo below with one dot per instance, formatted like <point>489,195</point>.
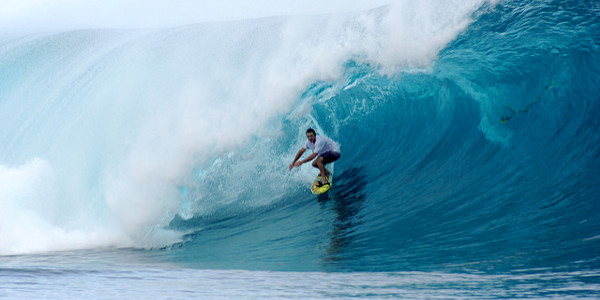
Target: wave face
<point>469,132</point>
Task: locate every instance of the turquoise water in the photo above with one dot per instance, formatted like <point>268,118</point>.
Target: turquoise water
<point>108,274</point>
<point>153,163</point>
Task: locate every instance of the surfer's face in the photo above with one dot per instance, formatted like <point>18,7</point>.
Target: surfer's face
<point>311,137</point>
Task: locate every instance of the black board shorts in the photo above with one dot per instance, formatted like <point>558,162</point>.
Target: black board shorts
<point>330,156</point>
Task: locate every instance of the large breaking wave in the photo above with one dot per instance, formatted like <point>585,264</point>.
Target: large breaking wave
<point>469,133</point>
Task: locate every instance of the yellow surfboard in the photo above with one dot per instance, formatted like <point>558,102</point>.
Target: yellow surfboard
<point>316,189</point>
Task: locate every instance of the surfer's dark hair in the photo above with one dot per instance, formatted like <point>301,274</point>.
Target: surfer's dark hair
<point>311,130</point>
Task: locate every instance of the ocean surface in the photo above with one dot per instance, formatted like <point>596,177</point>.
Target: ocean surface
<point>153,163</point>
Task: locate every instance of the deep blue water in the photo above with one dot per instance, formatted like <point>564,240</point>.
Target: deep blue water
<point>470,156</point>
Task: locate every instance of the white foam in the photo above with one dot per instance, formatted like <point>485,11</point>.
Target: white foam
<point>34,219</point>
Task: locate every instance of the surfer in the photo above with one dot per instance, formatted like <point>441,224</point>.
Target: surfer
<point>325,148</point>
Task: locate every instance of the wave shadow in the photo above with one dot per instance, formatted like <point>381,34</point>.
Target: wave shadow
<point>347,199</point>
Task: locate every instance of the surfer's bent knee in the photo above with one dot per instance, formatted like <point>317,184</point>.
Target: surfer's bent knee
<point>315,162</point>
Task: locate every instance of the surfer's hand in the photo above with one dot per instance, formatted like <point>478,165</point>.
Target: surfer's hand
<point>291,166</point>
<point>299,163</point>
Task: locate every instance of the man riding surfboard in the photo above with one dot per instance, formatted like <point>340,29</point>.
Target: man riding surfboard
<point>324,149</point>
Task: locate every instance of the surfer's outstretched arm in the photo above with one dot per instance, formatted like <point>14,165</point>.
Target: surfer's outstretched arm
<point>297,163</point>
<point>309,158</point>
<point>298,155</point>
